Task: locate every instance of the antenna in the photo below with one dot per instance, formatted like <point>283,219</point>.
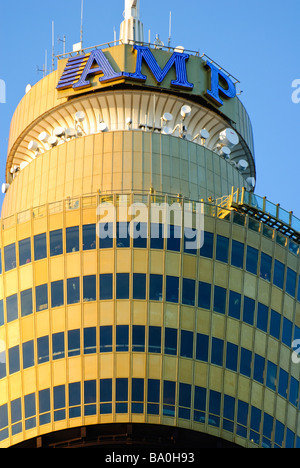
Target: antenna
<point>63,41</point>
<point>170,29</point>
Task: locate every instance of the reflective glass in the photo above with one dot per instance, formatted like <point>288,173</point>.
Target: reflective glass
<point>237,254</point>
<point>278,276</point>
<point>10,257</point>
<point>122,337</point>
<point>89,288</point>
<point>40,246</point>
<point>14,359</point>
<point>106,286</point>
<point>188,291</point>
<point>73,290</point>
<point>291,278</point>
<point>106,236</point>
<point>26,302</point>
<point>106,339</point>
<point>202,344</point>
<point>24,251</point>
<point>139,286</point>
<point>171,341</point>
<point>275,324</point>
<point>169,390</point>
<point>28,354</point>
<point>262,317</point>
<point>172,288</point>
<point>11,308</point>
<point>157,236</point>
<point>174,238</point>
<point>219,299</point>
<point>252,260</point>
<point>89,340</point>
<point>222,248</point>
<point>122,285</point>
<point>43,349</point>
<point>72,239</point>
<point>73,342</point>
<point>121,395</point>
<point>41,297</point>
<point>138,338</point>
<point>231,356</point>
<point>57,293</point>
<point>259,368</point>
<point>186,343</point>
<point>245,363</point>
<point>58,345</point>
<point>89,236</point>
<point>208,245</point>
<point>155,287</point>
<point>123,237</point>
<point>248,310</point>
<point>265,266</point>
<point>217,351</point>
<point>140,234</point>
<point>204,295</point>
<point>56,242</point>
<point>234,309</point>
<point>154,339</point>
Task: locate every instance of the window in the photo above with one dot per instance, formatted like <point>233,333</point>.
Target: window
<point>271,380</point>
<point>43,349</point>
<point>12,308</point>
<point>56,243</point>
<point>234,309</point>
<point>59,402</point>
<point>139,286</point>
<point>123,238</point>
<point>3,422</point>
<point>242,417</point>
<point>208,245</point>
<point>24,251</point>
<point>2,364</point>
<point>265,266</point>
<point>105,396</point>
<point>186,343</point>
<point>44,406</point>
<point>73,290</point>
<point>217,351</point>
<point>169,390</point>
<point>287,332</point>
<point>153,396</point>
<point>106,236</point>
<point>122,285</point>
<point>220,300</point>
<point>262,317</point>
<point>214,408</point>
<point>1,313</point>
<point>202,347</point>
<point>121,395</point>
<point>245,364</point>
<point>222,249</point>
<point>228,413</point>
<point>155,289</point>
<point>174,238</point>
<point>255,423</point>
<point>199,404</point>
<point>294,391</point>
<point>252,260</point>
<point>204,295</point>
<point>41,297</point>
<point>122,337</point>
<point>154,340</point>
<point>14,359</point>
<point>106,286</point>
<point>231,356</point>
<point>283,383</point>
<point>140,234</point>
<point>191,240</point>
<point>248,310</point>
<point>157,236</point>
<point>89,236</point>
<point>73,342</point>
<point>278,276</point>
<point>90,397</point>
<point>259,367</point>
<point>237,254</point>
<point>16,416</point>
<point>188,291</point>
<point>72,239</point>
<point>279,434</point>
<point>171,341</point>
<point>138,338</point>
<point>291,278</point>
<point>89,340</point>
<point>89,288</point>
<point>40,246</point>
<point>58,345</point>
<point>137,396</point>
<point>28,354</point>
<point>267,430</point>
<point>57,293</point>
<point>30,411</point>
<point>106,339</point>
<point>184,410</point>
<point>26,302</point>
<point>275,324</point>
<point>10,257</point>
<point>172,288</point>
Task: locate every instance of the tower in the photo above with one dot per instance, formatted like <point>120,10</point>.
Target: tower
<point>148,295</point>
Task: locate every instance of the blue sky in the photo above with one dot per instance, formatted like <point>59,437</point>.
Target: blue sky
<point>258,42</point>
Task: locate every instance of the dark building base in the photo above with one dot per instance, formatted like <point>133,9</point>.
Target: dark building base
<point>127,436</point>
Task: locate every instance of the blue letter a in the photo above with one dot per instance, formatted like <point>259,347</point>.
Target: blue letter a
<point>177,58</point>
<point>98,57</point>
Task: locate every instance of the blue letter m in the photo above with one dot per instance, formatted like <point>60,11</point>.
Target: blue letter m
<point>177,59</point>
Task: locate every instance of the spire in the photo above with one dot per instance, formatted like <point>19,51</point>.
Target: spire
<point>132,29</point>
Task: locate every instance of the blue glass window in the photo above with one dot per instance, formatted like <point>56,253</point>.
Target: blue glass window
<point>28,354</point>
<point>262,317</point>
<point>279,434</point>
<point>208,245</point>
<point>44,406</point>
<point>294,392</point>
<point>252,260</point>
<point>186,343</point>
<point>155,287</point>
<point>12,308</point>
<point>1,313</point>
<point>57,293</point>
<point>245,363</point>
<point>217,349</point>
<point>74,400</point>
<point>287,332</point>
<point>204,295</point>
<point>73,290</point>
<point>171,341</point>
<point>154,339</point>
<point>89,337</point>
<point>271,375</point>
<point>43,349</point>
<point>265,266</point>
<point>259,367</point>
<point>106,286</point>
<point>58,345</point>
<point>41,297</point>
<point>122,337</point>
<point>122,285</point>
<point>121,395</point>
<point>90,397</point>
<point>40,246</point>
<point>237,254</point>
<point>234,309</point>
<point>153,396</point>
<point>106,339</point>
<point>105,396</point>
<point>139,286</point>
<point>138,338</point>
<point>14,359</point>
<point>283,383</point>
<point>228,413</point>
<point>10,257</point>
<point>231,356</point>
<point>188,291</point>
<point>24,251</point>
<point>89,288</point>
<point>106,235</point>
<point>255,421</point>
<point>202,344</point>
<point>89,236</point>
<point>169,398</point>
<point>267,430</point>
<point>248,310</point>
<point>16,416</point>
<point>72,239</point>
<point>275,322</point>
<point>123,237</point>
<point>278,276</point>
<point>184,410</point>
<point>174,238</point>
<point>214,408</point>
<point>172,288</point>
<point>140,234</point>
<point>157,236</point>
<point>73,342</point>
<point>199,404</point>
<point>222,248</point>
<point>137,396</point>
<point>59,402</point>
<point>56,242</point>
<point>219,300</point>
<point>190,240</point>
<point>242,416</point>
<point>26,302</point>
<point>30,411</point>
<point>291,279</point>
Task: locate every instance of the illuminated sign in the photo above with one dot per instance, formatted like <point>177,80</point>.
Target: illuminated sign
<point>81,68</point>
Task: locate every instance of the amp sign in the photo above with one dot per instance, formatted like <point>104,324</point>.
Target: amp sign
<point>80,69</point>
